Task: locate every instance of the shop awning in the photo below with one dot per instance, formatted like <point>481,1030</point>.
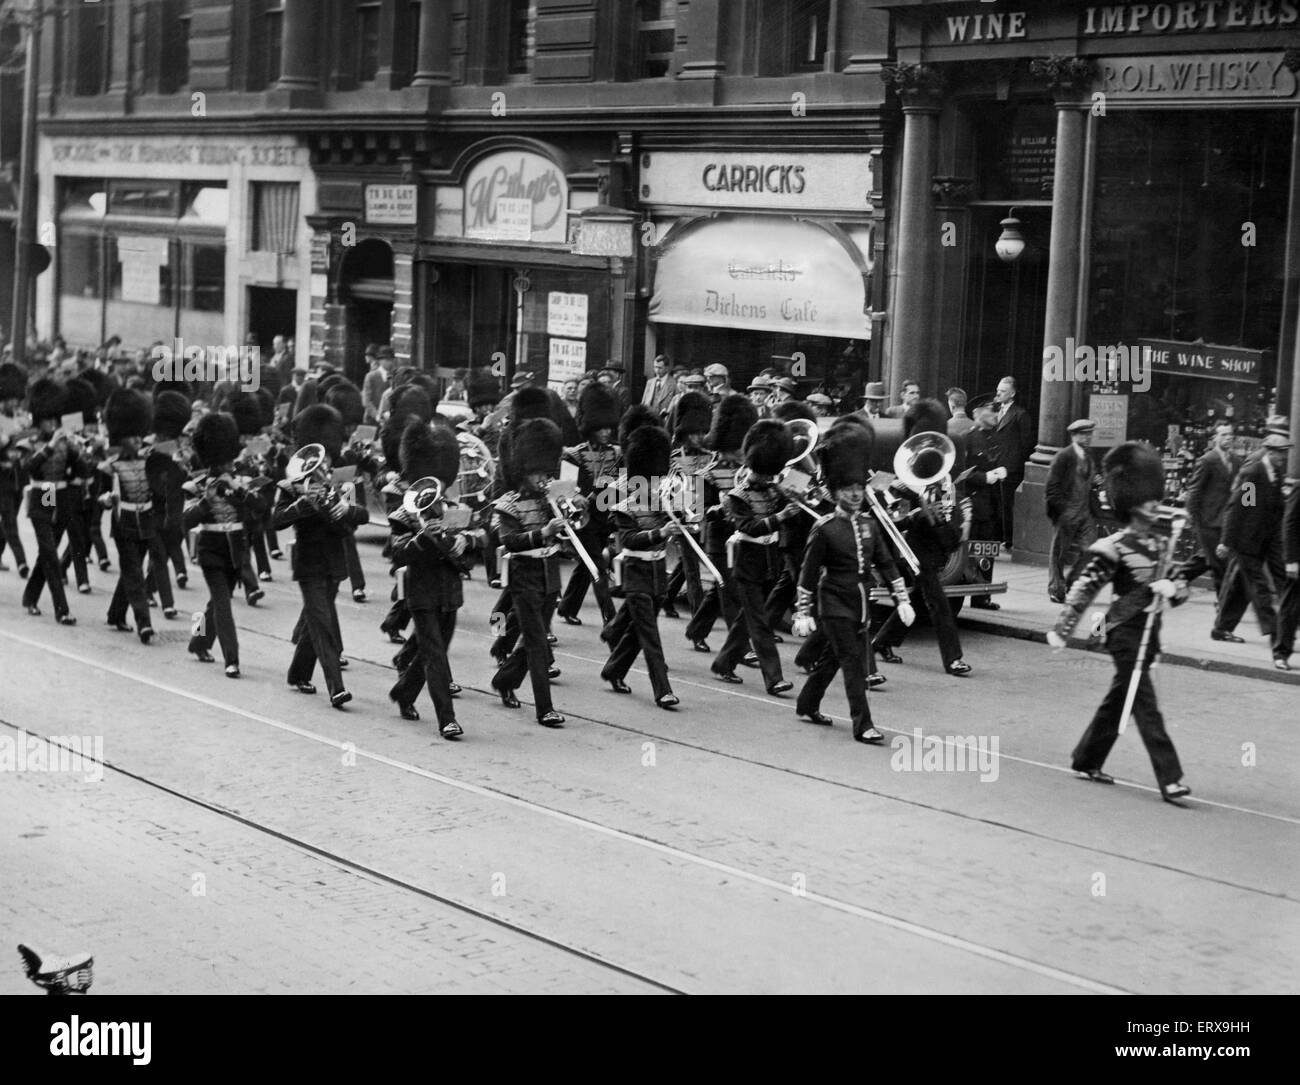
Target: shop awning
<point>791,276</point>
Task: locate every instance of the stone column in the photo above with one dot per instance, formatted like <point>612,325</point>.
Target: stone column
<point>433,64</point>
<point>298,51</point>
<point>119,39</point>
<point>705,40</point>
<point>911,315</point>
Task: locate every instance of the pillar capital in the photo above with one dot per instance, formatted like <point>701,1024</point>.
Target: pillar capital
<point>919,87</point>
<point>1067,77</point>
<point>952,191</point>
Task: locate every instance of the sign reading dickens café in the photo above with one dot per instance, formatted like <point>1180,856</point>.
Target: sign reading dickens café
<point>752,179</point>
<point>496,187</point>
<point>1201,360</point>
<point>1113,20</point>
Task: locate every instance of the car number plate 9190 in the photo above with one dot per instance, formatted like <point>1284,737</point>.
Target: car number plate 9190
<point>984,549</point>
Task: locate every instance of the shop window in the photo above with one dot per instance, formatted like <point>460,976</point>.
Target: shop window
<point>160,199</point>
<point>115,243</point>
<point>81,265</point>
<point>205,204</point>
<point>84,199</point>
<point>90,48</point>
<point>656,38</point>
<point>205,280</point>
<point>367,42</point>
<point>520,39</point>
<point>275,216</point>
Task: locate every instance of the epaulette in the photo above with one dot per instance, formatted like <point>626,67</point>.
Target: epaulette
<point>1107,547</point>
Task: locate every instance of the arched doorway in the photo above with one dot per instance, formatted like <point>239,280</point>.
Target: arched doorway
<point>366,288</point>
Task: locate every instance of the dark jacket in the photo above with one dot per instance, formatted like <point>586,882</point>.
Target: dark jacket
<point>831,565</point>
<point>1066,488</point>
<point>983,454</point>
<point>1291,528</point>
<point>518,520</point>
<point>318,550</point>
<point>432,572</point>
<point>751,509</point>
<point>1252,520</point>
<point>1018,438</point>
<point>1210,488</point>
<point>640,529</point>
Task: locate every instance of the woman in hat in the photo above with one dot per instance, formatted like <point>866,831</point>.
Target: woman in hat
<point>1131,560</point>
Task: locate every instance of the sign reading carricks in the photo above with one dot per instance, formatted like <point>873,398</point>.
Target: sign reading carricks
<point>1202,360</point>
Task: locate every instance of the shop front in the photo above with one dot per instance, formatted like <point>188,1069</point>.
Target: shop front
<point>762,260</point>
<point>502,277</point>
<point>156,240</point>
<point>1120,186</point>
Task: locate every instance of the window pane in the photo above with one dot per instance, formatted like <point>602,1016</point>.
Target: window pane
<point>144,198</point>
<point>520,43</point>
<point>207,264</point>
<point>207,204</point>
<point>84,198</point>
<point>367,42</point>
<point>271,30</point>
<point>808,25</point>
<point>80,267</point>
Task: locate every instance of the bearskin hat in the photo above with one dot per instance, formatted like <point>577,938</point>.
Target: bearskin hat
<point>216,440</point>
<point>530,402</point>
<point>790,409</point>
<point>244,408</point>
<point>320,425</point>
<point>768,446</point>
<point>13,381</point>
<point>732,420</point>
<point>413,399</point>
<point>430,450</point>
<point>47,399</point>
<point>693,413</point>
<point>536,446</point>
<point>597,409</point>
<point>308,396</point>
<point>634,418</point>
<point>345,397</point>
<point>481,389</point>
<point>420,379</point>
<point>266,405</point>
<point>648,452</point>
<point>128,414</point>
<point>1134,475</point>
<point>171,414</point>
<point>925,416</point>
<point>172,386</point>
<point>845,456</point>
<point>82,397</point>
<point>327,382</point>
<point>563,418</point>
<point>390,437</point>
<point>99,382</point>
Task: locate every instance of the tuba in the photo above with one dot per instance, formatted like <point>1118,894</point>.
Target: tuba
<point>798,481</point>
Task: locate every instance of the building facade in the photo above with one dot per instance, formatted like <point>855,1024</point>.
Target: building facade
<point>1147,154</point>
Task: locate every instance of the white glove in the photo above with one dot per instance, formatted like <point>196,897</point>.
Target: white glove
<point>1165,587</point>
<point>906,613</point>
<point>1293,569</point>
<point>1055,641</point>
<point>997,474</point>
<point>458,546</point>
<point>804,627</point>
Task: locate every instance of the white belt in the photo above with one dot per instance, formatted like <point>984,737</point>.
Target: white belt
<point>225,529</point>
<point>135,506</point>
<point>645,555</point>
<point>47,485</point>
<point>740,537</point>
<point>541,552</point>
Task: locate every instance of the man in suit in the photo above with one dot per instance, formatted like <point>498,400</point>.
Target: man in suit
<point>661,388</point>
<point>982,487</point>
<point>960,423</point>
<point>1251,543</point>
<point>281,359</point>
<point>1289,610</point>
<point>1069,506</point>
<point>910,393</point>
<point>873,401</point>
<point>1207,496</point>
<point>1017,439</point>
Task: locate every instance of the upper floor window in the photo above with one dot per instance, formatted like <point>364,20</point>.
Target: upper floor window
<point>174,42</point>
<point>367,42</point>
<point>810,22</point>
<point>656,36</point>
<point>520,37</point>
<point>90,26</point>
<point>265,32</point>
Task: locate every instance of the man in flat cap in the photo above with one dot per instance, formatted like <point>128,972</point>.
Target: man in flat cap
<point>718,380</point>
<point>1070,506</point>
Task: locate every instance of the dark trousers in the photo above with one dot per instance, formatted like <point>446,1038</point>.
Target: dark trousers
<point>257,544</point>
<point>130,582</point>
<point>810,652</point>
<point>396,618</point>
<point>49,532</point>
<point>1100,736</point>
<point>640,633</point>
<point>355,575</point>
<point>712,605</point>
<point>317,636</point>
<point>580,579</point>
<point>893,632</point>
<point>427,663</point>
<point>1209,538</point>
<point>74,554</point>
<point>845,648</point>
<point>218,620</point>
<point>1007,508</point>
<point>1288,616</point>
<point>1252,580</point>
<point>531,655</point>
<point>1073,533</point>
<point>686,575</point>
<point>173,540</point>
<point>750,628</point>
<point>158,580</point>
<point>781,597</point>
<point>9,528</point>
<point>272,541</point>
<point>94,531</point>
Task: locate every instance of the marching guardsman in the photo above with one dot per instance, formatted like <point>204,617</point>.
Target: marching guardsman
<point>732,418</point>
<point>247,413</point>
<point>129,496</point>
<point>52,460</point>
<point>345,397</point>
<point>527,527</point>
<point>690,418</point>
<point>320,516</point>
<point>171,414</point>
<point>85,539</point>
<point>756,509</point>
<point>482,394</point>
<point>216,514</point>
<point>13,389</point>
<point>1135,560</point>
<point>642,529</point>
<point>597,460</point>
<point>428,554</point>
<point>393,491</point>
<point>844,551</point>
<point>936,525</point>
<point>795,531</point>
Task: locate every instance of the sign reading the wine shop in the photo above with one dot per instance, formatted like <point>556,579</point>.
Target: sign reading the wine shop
<point>752,179</point>
<point>1201,360</point>
<point>498,182</point>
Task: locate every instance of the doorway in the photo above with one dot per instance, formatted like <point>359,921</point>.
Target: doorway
<point>272,311</point>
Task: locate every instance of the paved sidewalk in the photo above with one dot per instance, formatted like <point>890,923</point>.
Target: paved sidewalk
<point>1185,634</point>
